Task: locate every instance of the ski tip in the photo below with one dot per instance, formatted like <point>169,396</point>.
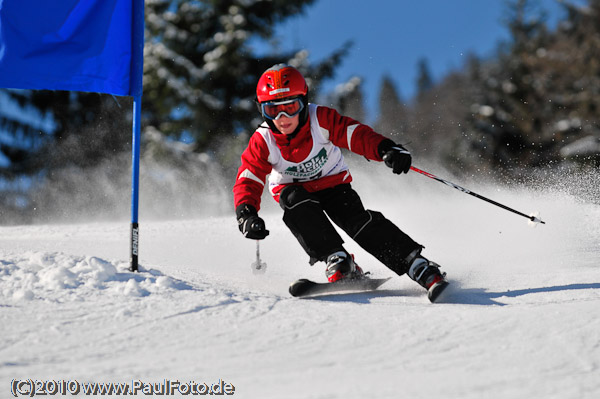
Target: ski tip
<point>305,287</point>
<point>299,287</point>
<point>436,290</point>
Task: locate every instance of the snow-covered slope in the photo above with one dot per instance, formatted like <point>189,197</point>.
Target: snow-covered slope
<point>521,319</point>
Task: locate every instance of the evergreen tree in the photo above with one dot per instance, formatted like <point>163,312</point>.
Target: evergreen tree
<point>200,69</point>
<point>52,130</point>
<point>392,120</point>
<point>24,128</point>
<point>47,125</point>
<point>571,64</point>
<point>507,127</point>
<point>537,102</point>
<point>348,99</point>
<point>424,80</point>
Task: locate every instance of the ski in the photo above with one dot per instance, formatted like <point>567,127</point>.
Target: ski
<point>305,287</point>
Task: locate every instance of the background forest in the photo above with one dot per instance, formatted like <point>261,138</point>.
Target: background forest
<point>524,114</point>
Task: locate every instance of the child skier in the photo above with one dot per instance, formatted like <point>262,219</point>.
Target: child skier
<point>299,146</point>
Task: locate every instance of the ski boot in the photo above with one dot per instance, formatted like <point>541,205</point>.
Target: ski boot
<point>427,274</point>
<point>341,266</point>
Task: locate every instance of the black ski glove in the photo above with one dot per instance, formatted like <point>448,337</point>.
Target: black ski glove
<point>249,223</point>
<point>395,156</point>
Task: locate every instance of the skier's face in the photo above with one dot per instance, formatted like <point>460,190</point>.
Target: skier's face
<point>287,125</point>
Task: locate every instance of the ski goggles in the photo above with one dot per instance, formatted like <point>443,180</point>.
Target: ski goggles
<point>274,109</point>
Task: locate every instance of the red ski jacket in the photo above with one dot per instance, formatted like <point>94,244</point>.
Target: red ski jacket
<point>312,158</point>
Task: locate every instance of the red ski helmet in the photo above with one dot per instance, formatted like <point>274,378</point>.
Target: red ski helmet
<point>280,81</point>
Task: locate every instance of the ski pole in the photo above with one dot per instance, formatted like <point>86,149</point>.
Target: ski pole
<point>258,267</point>
<point>464,190</point>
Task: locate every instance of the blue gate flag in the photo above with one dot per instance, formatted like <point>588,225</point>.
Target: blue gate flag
<point>76,45</point>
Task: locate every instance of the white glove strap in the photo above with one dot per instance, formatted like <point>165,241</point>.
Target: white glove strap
<point>401,150</point>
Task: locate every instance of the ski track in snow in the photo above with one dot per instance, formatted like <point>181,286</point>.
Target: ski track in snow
<point>520,320</point>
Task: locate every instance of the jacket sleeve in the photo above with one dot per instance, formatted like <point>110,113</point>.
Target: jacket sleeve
<point>350,134</point>
<point>252,174</point>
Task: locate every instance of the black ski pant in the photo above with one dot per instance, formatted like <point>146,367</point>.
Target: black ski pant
<point>306,215</point>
